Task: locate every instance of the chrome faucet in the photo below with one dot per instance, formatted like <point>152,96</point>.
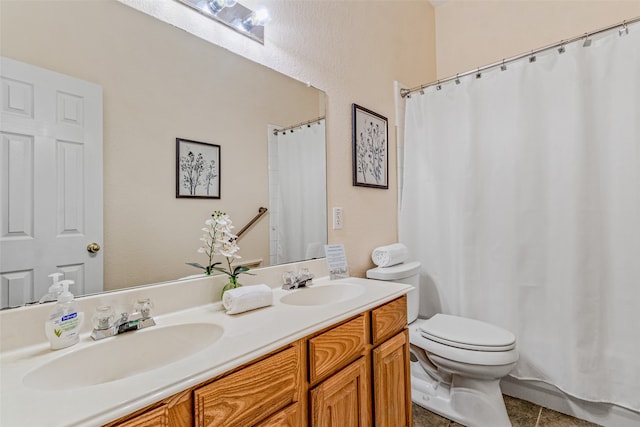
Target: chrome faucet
<point>295,281</point>
<point>105,324</point>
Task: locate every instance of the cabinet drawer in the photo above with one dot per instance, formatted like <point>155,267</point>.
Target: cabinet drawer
<point>158,417</point>
<point>388,320</point>
<point>335,348</point>
<point>246,396</point>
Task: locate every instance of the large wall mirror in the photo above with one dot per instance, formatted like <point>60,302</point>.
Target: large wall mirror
<point>159,83</point>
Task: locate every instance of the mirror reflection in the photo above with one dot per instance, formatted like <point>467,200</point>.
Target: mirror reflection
<point>150,83</point>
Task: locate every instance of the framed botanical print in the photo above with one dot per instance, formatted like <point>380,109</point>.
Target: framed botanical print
<point>197,169</point>
<point>370,148</point>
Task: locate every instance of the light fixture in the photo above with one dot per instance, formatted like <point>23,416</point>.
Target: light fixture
<point>503,67</point>
<point>562,49</point>
<point>587,41</point>
<point>233,15</point>
<point>217,5</point>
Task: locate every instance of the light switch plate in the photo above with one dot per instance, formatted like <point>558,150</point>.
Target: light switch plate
<point>337,218</point>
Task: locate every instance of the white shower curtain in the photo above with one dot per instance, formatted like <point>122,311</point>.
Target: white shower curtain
<point>300,215</point>
<point>521,199</point>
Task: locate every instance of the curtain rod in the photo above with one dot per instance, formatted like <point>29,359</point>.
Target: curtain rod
<point>478,71</point>
<point>298,125</point>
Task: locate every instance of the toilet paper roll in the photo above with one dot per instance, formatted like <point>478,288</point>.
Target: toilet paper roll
<point>386,256</point>
<point>245,298</point>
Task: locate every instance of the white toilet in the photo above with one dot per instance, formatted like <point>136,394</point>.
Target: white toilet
<point>456,362</point>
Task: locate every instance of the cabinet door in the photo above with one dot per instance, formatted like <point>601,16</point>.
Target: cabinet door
<point>344,399</point>
<point>391,383</point>
<point>158,417</point>
<point>288,417</point>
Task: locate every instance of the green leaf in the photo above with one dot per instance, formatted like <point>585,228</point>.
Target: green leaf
<point>241,269</point>
<point>195,264</point>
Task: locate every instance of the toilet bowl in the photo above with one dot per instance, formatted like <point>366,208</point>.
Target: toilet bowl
<point>456,362</point>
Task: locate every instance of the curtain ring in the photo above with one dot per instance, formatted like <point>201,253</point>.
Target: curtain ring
<point>562,49</point>
<point>624,30</point>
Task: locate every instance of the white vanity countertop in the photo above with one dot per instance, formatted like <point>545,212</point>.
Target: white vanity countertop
<point>246,336</point>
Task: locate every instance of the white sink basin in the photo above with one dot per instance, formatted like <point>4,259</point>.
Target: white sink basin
<point>323,294</point>
<point>123,355</point>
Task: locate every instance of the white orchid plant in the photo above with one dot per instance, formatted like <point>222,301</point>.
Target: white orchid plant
<point>219,240</point>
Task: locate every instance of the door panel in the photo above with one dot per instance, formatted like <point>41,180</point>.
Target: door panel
<point>51,182</point>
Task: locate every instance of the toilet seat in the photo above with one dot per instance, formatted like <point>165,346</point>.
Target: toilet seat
<point>464,333</point>
<point>457,353</point>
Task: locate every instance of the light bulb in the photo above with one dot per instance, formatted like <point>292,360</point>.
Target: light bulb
<point>258,18</point>
<point>262,16</point>
<point>217,5</point>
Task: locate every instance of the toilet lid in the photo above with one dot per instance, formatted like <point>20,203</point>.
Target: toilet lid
<point>467,333</point>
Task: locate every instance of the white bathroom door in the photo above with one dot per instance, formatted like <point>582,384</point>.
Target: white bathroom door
<point>50,182</point>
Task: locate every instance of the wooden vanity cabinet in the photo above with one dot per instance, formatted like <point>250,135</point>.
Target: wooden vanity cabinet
<point>355,373</point>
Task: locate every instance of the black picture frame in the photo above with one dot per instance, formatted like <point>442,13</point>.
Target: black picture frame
<point>370,148</point>
<point>197,169</point>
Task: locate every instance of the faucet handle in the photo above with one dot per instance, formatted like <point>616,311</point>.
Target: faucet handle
<point>143,306</point>
<point>289,278</point>
<point>304,275</point>
<point>104,317</point>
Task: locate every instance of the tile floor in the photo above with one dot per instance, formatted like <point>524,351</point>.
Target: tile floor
<point>521,413</point>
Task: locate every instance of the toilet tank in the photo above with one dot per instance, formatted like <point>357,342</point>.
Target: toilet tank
<point>407,273</point>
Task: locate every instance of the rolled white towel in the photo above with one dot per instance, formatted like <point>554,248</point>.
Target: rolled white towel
<point>386,256</point>
<point>245,298</point>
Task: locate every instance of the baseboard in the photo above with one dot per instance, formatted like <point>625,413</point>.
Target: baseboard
<point>545,395</point>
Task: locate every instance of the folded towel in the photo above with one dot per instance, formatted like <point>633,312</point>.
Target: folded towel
<point>245,298</point>
<point>386,256</point>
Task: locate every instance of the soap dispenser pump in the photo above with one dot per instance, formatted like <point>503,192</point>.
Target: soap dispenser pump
<point>63,327</point>
<point>54,290</point>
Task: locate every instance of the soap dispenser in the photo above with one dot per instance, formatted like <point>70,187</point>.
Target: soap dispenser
<point>54,290</point>
<point>63,327</point>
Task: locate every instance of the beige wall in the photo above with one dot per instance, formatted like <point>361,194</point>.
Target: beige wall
<point>353,50</point>
<point>472,33</point>
<point>160,83</point>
